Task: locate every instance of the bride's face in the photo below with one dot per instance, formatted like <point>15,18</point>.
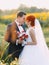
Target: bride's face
<point>28,24</point>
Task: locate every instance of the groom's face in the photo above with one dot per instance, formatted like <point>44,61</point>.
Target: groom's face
<point>22,19</point>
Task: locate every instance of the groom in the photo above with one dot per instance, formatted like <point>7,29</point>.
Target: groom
<point>15,46</point>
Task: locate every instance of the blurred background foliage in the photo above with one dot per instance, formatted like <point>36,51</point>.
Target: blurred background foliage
<point>8,16</point>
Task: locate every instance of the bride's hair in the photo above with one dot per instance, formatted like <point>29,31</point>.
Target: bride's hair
<point>31,18</point>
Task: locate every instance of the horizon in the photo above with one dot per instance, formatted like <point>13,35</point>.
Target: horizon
<point>24,5</point>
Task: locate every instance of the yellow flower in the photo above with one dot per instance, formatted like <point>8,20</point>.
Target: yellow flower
<point>15,62</point>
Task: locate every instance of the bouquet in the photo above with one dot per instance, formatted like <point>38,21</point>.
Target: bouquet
<point>22,35</point>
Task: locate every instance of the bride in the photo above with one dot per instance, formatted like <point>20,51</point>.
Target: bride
<point>35,51</point>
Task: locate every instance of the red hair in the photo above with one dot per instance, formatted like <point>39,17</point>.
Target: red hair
<point>31,19</point>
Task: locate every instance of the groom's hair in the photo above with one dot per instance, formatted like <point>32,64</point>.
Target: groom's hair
<point>21,14</point>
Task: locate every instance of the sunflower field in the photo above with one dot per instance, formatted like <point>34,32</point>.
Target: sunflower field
<point>43,17</point>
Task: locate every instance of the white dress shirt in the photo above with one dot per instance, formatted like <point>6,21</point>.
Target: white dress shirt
<point>21,30</point>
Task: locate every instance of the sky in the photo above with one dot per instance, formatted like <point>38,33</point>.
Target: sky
<point>14,4</point>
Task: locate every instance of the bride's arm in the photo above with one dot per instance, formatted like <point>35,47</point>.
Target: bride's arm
<point>32,34</point>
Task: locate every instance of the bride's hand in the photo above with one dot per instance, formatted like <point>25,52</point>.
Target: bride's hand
<point>31,43</point>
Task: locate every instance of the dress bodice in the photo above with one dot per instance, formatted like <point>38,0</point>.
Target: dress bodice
<point>29,37</point>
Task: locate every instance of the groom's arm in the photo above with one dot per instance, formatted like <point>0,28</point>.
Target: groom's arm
<point>7,34</point>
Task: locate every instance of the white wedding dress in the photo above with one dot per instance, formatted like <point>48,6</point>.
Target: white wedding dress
<point>35,54</point>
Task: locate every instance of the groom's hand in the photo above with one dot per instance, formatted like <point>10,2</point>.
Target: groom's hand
<point>19,41</point>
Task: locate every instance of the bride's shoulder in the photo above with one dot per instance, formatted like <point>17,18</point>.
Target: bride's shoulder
<point>31,29</point>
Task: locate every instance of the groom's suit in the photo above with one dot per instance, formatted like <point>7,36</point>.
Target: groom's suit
<point>11,37</point>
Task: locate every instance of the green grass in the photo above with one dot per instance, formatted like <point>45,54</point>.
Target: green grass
<point>3,29</point>
<point>4,44</point>
<point>46,34</point>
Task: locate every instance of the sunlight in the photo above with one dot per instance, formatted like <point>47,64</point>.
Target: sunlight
<point>14,4</point>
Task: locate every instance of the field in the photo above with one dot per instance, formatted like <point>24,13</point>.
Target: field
<point>42,16</point>
<point>3,29</point>
<point>3,44</point>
